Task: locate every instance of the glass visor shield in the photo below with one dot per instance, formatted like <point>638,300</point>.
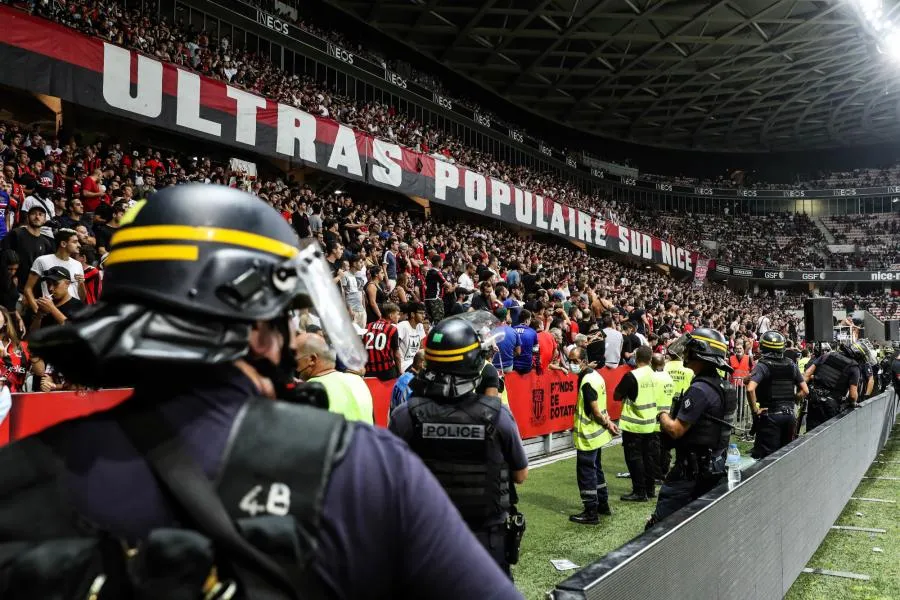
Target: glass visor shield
<point>678,347</point>
<point>485,325</point>
<point>307,275</point>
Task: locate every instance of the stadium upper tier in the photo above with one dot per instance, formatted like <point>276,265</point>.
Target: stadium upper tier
<point>779,240</point>
<point>131,173</point>
<point>142,29</point>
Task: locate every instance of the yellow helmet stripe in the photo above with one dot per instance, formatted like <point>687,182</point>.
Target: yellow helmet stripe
<point>146,253</point>
<point>188,233</point>
<point>714,343</point>
<point>443,358</point>
<point>768,344</point>
<point>451,352</point>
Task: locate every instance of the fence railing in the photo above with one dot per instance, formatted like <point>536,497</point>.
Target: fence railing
<point>753,541</point>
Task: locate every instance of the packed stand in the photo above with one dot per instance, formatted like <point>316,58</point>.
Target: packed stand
<point>875,239</point>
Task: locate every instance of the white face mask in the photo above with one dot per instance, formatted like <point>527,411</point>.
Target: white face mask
<point>576,368</point>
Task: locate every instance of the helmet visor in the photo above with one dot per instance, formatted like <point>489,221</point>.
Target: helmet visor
<point>485,325</point>
<point>307,274</point>
<point>678,347</point>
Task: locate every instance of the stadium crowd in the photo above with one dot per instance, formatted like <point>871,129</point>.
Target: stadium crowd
<point>62,202</point>
<point>794,238</point>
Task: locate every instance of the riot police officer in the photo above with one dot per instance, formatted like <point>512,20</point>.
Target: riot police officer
<point>468,440</point>
<point>699,423</point>
<point>772,394</point>
<point>834,379</point>
<point>213,485</point>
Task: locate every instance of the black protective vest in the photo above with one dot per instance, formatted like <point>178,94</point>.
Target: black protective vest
<point>460,444</point>
<point>832,377</point>
<point>272,483</point>
<point>778,388</point>
<point>706,435</point>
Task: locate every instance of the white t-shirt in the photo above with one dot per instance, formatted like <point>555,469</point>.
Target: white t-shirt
<point>44,263</point>
<point>466,282</point>
<point>763,325</point>
<point>410,342</point>
<point>614,341</point>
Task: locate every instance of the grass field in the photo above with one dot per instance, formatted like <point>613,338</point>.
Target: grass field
<point>551,495</point>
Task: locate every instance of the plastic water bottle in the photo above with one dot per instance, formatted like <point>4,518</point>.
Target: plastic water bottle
<point>733,466</point>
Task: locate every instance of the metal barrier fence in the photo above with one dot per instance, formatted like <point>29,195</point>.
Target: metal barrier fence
<point>753,541</point>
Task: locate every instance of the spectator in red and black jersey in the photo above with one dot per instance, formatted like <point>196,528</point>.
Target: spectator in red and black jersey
<point>93,281</point>
<point>383,344</point>
<point>15,359</point>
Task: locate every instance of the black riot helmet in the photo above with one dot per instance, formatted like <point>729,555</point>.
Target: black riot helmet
<point>703,344</point>
<point>189,272</point>
<point>455,353</point>
<point>772,343</point>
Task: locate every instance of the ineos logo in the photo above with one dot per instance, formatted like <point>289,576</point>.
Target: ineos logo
<point>340,54</point>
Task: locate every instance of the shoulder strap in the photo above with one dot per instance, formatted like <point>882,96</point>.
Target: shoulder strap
<point>160,445</point>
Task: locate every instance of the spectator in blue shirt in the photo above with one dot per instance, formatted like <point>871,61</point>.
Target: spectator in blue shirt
<point>403,388</point>
<point>507,348</point>
<point>528,340</point>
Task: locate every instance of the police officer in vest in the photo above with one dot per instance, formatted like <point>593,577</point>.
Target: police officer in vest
<point>202,484</point>
<point>638,393</point>
<point>699,423</point>
<point>681,378</point>
<point>665,393</point>
<point>468,440</point>
<point>834,379</point>
<point>592,429</point>
<point>775,386</point>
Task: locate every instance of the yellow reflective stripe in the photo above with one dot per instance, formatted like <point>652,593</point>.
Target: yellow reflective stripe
<point>714,343</point>
<point>631,419</point>
<point>451,352</point>
<point>429,356</point>
<point>772,344</point>
<point>188,233</point>
<point>145,253</point>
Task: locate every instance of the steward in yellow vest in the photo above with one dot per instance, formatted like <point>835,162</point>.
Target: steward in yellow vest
<point>591,429</point>
<point>666,391</point>
<point>638,394</point>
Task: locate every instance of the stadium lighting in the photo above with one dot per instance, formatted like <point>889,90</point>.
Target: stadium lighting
<point>884,30</point>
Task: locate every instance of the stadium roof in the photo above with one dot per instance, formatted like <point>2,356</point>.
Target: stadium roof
<point>741,75</point>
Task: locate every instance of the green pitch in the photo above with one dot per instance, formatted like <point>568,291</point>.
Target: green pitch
<point>550,495</point>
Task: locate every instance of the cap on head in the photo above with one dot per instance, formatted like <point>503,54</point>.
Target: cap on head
<point>57,274</point>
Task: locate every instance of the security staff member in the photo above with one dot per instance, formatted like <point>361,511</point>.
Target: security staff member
<point>681,377</point>
<point>592,430</point>
<point>469,441</point>
<point>665,392</point>
<point>194,315</point>
<point>805,357</point>
<point>866,370</point>
<point>895,372</point>
<point>834,379</point>
<point>637,392</point>
<point>772,393</point>
<point>700,424</point>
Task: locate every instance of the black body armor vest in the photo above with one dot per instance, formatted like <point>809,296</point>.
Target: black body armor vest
<point>272,483</point>
<point>460,444</point>
<point>706,435</point>
<point>778,389</point>
<point>832,377</point>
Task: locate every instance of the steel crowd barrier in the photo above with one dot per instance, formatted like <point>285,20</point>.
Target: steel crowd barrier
<point>753,541</point>
<point>543,405</point>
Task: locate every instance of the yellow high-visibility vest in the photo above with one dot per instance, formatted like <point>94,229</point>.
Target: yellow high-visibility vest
<point>587,433</point>
<point>639,415</point>
<point>665,391</point>
<point>681,375</point>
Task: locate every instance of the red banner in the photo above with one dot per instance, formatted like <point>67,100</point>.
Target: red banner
<point>542,404</point>
<point>545,403</point>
